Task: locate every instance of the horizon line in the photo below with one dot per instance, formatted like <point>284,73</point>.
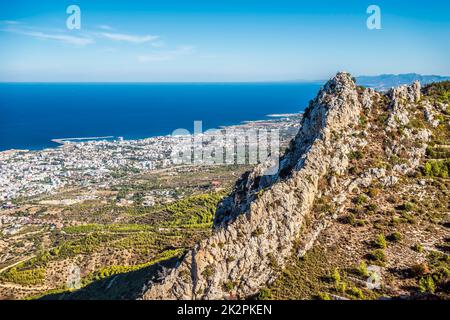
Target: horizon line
<point>161,82</point>
<point>314,81</point>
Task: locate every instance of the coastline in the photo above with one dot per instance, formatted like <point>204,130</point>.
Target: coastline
<point>63,141</point>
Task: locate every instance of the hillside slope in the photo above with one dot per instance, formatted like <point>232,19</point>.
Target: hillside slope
<point>352,141</point>
<point>395,220</point>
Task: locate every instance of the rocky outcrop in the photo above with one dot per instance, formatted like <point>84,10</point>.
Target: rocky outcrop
<point>401,100</point>
<point>404,102</point>
<point>257,225</point>
<point>266,217</point>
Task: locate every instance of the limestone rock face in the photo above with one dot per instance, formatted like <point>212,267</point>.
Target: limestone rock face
<point>256,226</point>
<point>404,100</point>
<point>401,100</point>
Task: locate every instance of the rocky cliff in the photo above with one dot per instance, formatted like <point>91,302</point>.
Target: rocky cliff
<point>267,218</point>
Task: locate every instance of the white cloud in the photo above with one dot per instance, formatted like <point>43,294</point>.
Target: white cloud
<point>78,41</point>
<point>129,37</point>
<point>105,27</point>
<point>167,55</point>
<point>87,38</point>
<point>73,40</point>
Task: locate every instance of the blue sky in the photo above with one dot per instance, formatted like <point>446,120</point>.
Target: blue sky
<point>220,40</point>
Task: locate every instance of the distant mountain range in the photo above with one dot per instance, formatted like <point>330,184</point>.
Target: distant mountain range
<point>387,81</point>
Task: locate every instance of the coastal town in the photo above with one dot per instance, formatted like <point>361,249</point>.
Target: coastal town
<point>26,174</point>
<point>30,173</point>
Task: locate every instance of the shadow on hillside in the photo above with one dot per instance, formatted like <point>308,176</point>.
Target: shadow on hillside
<point>124,286</point>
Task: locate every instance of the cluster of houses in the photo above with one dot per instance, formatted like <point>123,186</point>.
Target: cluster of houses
<point>30,173</point>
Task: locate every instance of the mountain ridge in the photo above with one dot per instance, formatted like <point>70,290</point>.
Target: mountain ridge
<point>267,218</point>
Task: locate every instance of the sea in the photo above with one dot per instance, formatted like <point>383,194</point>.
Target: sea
<point>34,114</point>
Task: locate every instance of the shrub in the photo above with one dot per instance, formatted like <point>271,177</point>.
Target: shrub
<point>407,206</point>
<point>435,153</point>
<point>372,207</point>
<point>229,286</point>
<point>428,170</point>
<point>257,232</point>
<point>395,221</point>
<point>360,200</point>
<point>437,168</point>
<point>323,296</point>
<point>356,155</point>
<point>341,287</point>
<point>272,261</point>
<point>380,242</point>
<point>427,285</point>
<point>336,277</point>
<point>208,271</point>
<point>356,292</point>
<point>373,192</point>
<point>408,218</point>
<point>441,274</point>
<point>351,219</point>
<point>395,237</point>
<point>362,269</point>
<point>418,248</point>
<point>378,255</point>
<point>265,294</point>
